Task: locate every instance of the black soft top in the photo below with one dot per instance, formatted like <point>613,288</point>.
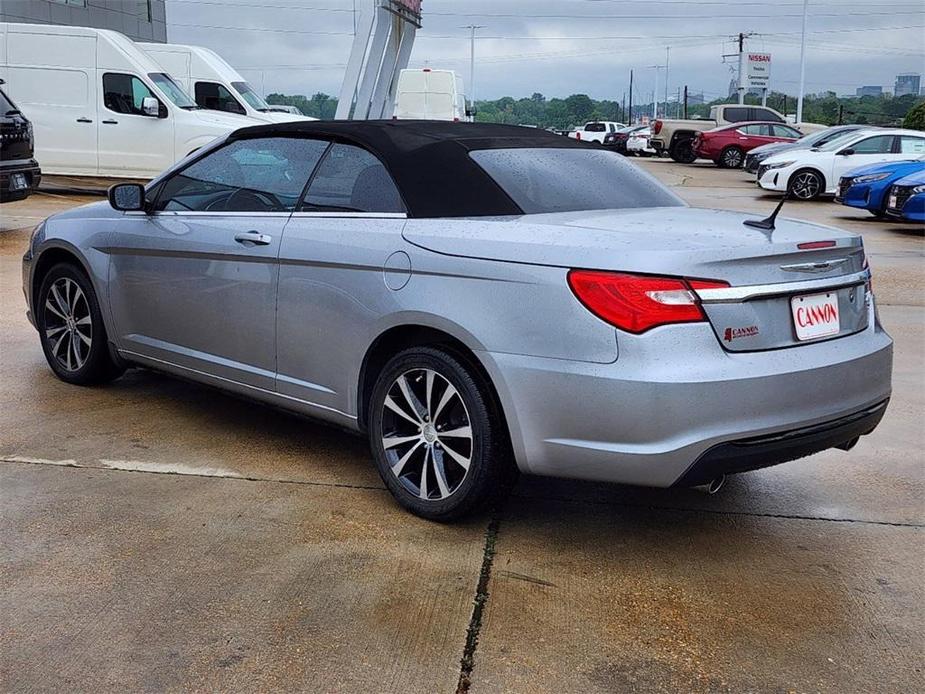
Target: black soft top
<point>429,160</point>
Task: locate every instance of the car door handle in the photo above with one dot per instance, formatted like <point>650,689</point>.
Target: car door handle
<point>111,122</point>
<point>84,120</point>
<point>253,238</point>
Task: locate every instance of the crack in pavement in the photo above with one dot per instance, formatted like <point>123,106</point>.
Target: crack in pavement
<point>719,512</point>
<point>178,471</point>
<point>189,471</point>
<point>467,662</point>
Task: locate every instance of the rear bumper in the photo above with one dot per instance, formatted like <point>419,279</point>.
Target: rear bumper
<point>29,168</point>
<point>763,451</point>
<point>648,417</point>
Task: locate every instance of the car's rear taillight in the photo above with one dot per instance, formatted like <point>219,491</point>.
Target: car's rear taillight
<point>657,127</point>
<point>637,303</point>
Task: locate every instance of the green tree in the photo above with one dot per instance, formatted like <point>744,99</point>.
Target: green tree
<point>915,119</point>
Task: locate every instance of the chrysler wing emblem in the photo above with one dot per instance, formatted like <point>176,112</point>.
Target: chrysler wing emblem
<point>822,266</point>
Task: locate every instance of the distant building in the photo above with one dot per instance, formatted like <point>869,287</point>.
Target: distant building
<point>869,91</point>
<point>140,20</point>
<point>907,83</point>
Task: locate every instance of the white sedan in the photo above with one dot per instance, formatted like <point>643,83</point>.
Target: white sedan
<point>808,174</point>
<point>638,143</point>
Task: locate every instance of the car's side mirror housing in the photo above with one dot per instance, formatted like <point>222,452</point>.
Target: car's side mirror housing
<point>846,152</point>
<point>151,107</point>
<point>127,197</point>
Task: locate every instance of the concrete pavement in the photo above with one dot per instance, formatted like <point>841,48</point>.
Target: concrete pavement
<point>160,535</point>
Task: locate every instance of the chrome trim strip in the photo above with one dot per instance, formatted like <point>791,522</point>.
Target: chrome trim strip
<point>359,215</point>
<point>725,295</point>
<point>233,382</point>
<point>192,213</point>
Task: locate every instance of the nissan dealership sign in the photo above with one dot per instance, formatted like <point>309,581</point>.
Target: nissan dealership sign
<point>758,71</point>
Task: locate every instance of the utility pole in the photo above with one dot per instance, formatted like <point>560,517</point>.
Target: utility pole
<point>631,98</point>
<point>472,29</point>
<point>623,109</point>
<point>667,60</point>
<point>685,102</point>
<point>741,88</point>
<point>799,118</point>
<point>655,95</point>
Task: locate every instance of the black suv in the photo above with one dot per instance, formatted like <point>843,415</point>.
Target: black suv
<point>19,172</point>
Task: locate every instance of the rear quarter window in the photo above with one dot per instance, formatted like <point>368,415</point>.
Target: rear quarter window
<point>541,180</point>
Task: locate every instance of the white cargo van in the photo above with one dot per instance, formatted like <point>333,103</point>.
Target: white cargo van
<point>428,94</point>
<point>99,105</point>
<point>213,83</point>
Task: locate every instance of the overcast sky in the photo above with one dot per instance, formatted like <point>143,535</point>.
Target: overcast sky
<point>561,47</point>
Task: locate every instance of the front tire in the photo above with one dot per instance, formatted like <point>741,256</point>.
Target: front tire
<point>806,185</point>
<point>438,444</point>
<point>71,328</point>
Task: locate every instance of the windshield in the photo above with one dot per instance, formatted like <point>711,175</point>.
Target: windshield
<point>250,96</point>
<point>837,142</point>
<point>6,106</point>
<point>565,180</point>
<point>174,91</point>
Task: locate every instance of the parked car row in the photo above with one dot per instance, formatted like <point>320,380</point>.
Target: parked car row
<point>895,189</point>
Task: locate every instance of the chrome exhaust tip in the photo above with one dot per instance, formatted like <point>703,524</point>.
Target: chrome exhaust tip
<point>712,486</point>
<point>848,445</point>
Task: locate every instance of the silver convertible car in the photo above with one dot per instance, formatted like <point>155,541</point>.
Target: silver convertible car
<point>476,299</point>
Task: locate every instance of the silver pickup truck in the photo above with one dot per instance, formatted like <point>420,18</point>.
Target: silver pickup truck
<point>676,136</point>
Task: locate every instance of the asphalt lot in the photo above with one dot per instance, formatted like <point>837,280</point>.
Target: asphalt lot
<point>160,535</point>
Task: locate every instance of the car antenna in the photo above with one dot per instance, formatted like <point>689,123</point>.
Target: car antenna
<point>768,222</point>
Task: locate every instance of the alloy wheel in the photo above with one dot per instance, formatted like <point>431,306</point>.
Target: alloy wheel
<point>427,434</point>
<point>732,158</point>
<point>805,185</point>
<point>68,325</point>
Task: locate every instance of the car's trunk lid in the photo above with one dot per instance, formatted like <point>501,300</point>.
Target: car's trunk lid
<point>690,243</point>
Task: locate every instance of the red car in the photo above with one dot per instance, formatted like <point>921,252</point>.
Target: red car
<point>727,145</point>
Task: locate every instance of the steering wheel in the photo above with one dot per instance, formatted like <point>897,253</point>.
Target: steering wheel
<point>246,199</point>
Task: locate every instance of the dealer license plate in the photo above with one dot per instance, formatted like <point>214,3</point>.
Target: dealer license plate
<point>891,202</point>
<point>18,181</point>
<point>815,315</point>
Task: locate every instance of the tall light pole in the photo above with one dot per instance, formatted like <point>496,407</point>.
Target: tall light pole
<point>655,93</point>
<point>667,60</point>
<point>472,29</point>
<point>802,65</point>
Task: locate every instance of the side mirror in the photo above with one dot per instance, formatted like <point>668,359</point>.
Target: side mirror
<point>151,106</point>
<point>846,152</point>
<point>127,197</point>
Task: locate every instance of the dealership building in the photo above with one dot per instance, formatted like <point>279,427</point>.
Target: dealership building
<point>140,20</point>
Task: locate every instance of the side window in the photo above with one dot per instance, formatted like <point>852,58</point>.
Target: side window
<point>124,93</point>
<point>764,114</point>
<point>786,131</point>
<point>595,128</point>
<point>881,144</point>
<point>757,129</point>
<point>350,179</point>
<point>216,97</point>
<point>736,114</point>
<point>909,144</point>
<point>259,175</point>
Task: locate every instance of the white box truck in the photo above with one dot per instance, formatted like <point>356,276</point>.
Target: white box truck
<point>213,83</point>
<point>99,105</point>
<point>426,94</point>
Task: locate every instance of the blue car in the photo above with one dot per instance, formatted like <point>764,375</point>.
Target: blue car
<point>906,198</point>
<point>866,187</point>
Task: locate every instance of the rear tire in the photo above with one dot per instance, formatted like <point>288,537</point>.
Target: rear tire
<point>683,152</point>
<point>437,441</point>
<point>731,158</point>
<point>806,184</point>
<point>71,328</point>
